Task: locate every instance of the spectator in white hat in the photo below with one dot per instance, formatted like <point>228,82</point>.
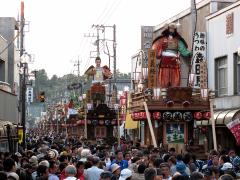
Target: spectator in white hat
<point>126,174</point>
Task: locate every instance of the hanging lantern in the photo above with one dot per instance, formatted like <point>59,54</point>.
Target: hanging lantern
<point>167,116</point>
<point>197,115</point>
<point>187,116</point>
<point>114,122</point>
<point>82,122</point>
<point>89,122</point>
<point>95,122</point>
<point>157,115</point>
<point>177,116</point>
<point>107,122</point>
<point>142,115</point>
<point>207,115</point>
<point>101,122</point>
<point>137,115</point>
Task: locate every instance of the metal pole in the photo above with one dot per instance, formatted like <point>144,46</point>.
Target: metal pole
<point>85,122</point>
<point>118,127</point>
<point>23,103</point>
<point>213,124</point>
<point>150,125</point>
<point>98,51</point>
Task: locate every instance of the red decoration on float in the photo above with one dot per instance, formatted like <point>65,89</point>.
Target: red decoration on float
<point>197,115</point>
<point>207,115</point>
<point>157,115</point>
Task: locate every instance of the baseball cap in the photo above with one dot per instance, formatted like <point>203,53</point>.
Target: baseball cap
<point>227,166</point>
<point>125,173</point>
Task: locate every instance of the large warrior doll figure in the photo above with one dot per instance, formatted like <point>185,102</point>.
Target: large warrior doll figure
<point>99,74</point>
<point>169,46</point>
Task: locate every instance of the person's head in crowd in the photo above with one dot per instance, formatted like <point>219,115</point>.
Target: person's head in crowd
<point>80,167</point>
<point>150,174</point>
<point>135,159</point>
<point>232,153</point>
<point>181,168</point>
<point>187,158</point>
<point>9,165</point>
<point>28,168</point>
<point>165,169</point>
<point>172,160</point>
<point>172,151</point>
<point>42,171</point>
<point>95,161</point>
<point>226,177</point>
<point>166,157</point>
<point>196,176</point>
<point>87,164</point>
<point>63,158</point>
<point>44,163</point>
<point>3,175</point>
<point>119,155</point>
<point>106,175</point>
<point>15,158</point>
<point>157,162</point>
<point>7,155</point>
<point>141,168</point>
<point>227,168</point>
<point>70,171</point>
<point>116,169</point>
<point>84,154</point>
<point>215,160</point>
<point>179,177</point>
<point>126,174</point>
<point>24,161</point>
<point>179,157</point>
<point>127,156</point>
<point>101,165</point>
<point>53,167</point>
<point>212,153</point>
<point>223,159</point>
<point>62,166</point>
<point>34,161</point>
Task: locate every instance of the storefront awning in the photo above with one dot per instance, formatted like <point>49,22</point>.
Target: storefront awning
<point>130,124</point>
<point>222,117</point>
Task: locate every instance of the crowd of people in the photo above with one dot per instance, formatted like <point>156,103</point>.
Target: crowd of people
<point>48,158</point>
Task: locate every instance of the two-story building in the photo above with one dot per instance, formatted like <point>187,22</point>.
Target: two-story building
<point>223,32</point>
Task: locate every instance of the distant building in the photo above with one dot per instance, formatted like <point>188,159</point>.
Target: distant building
<point>8,28</point>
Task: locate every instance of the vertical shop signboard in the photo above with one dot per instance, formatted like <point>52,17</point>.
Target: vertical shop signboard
<point>152,72</point>
<point>199,55</point>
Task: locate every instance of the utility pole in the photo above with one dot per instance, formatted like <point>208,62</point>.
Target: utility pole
<point>23,77</point>
<point>115,60</point>
<point>98,27</point>
<point>78,67</point>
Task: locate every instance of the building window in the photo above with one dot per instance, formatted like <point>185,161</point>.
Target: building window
<point>236,60</point>
<point>221,76</point>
